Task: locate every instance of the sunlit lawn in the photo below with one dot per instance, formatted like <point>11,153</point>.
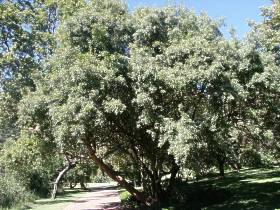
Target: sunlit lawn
<point>60,202</point>
<point>251,189</point>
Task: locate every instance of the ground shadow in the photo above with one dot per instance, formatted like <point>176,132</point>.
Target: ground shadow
<point>248,190</point>
<point>94,189</point>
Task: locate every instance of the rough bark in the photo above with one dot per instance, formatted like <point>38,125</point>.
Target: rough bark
<point>173,173</point>
<point>159,193</point>
<point>221,168</point>
<point>145,172</point>
<point>121,181</point>
<point>59,177</point>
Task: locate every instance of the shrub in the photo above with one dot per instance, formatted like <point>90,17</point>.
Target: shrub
<point>251,158</point>
<point>28,159</point>
<point>12,192</point>
<point>100,177</point>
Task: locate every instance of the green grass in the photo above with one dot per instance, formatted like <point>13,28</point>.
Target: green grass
<point>128,202</point>
<point>60,202</point>
<point>251,189</point>
<point>63,199</point>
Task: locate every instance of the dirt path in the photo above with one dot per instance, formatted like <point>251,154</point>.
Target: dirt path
<point>99,198</point>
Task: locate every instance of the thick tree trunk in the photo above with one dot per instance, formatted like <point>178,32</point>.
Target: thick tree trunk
<point>72,185</point>
<point>160,195</point>
<point>60,175</point>
<point>173,173</point>
<point>221,168</point>
<point>83,186</point>
<point>144,183</point>
<point>238,165</point>
<point>151,178</point>
<point>157,191</point>
<point>122,182</point>
<point>146,174</point>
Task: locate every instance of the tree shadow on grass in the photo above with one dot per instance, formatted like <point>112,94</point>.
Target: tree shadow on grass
<point>249,190</point>
<point>66,196</point>
<point>70,195</point>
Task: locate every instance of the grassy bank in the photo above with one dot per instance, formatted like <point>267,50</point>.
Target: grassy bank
<point>251,189</point>
<point>64,199</point>
<point>60,202</point>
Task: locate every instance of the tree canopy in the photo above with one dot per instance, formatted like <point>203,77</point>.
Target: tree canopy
<point>158,87</point>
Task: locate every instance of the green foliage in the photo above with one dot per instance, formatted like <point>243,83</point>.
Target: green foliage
<point>12,192</point>
<point>265,84</point>
<point>100,177</point>
<point>148,91</point>
<point>29,160</point>
<point>251,158</point>
<point>82,173</point>
<point>154,86</point>
<point>26,34</point>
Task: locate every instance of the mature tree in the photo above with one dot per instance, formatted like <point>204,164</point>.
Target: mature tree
<point>93,47</point>
<point>264,101</point>
<point>26,29</point>
<point>115,79</point>
<point>26,40</point>
<point>155,87</point>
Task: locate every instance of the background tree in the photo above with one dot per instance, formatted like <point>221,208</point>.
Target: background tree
<point>26,34</point>
<point>264,85</point>
<point>29,161</point>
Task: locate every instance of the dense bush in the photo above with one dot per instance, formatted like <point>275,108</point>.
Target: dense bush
<point>28,159</point>
<point>269,160</point>
<point>100,177</point>
<point>128,201</point>
<point>251,158</point>
<point>12,192</point>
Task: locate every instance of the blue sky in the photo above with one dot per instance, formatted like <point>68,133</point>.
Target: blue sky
<point>236,12</point>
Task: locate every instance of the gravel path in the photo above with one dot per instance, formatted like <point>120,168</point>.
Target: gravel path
<point>99,198</point>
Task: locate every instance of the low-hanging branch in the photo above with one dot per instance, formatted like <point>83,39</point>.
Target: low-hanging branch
<point>116,177</point>
<point>70,164</point>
